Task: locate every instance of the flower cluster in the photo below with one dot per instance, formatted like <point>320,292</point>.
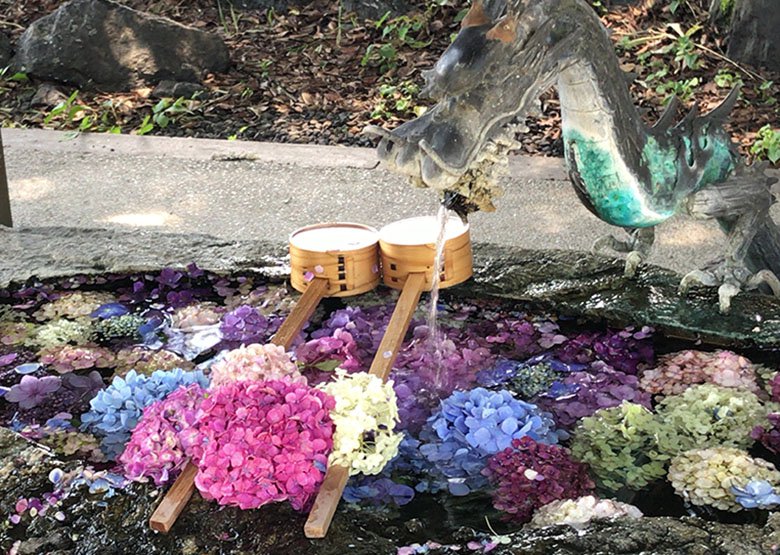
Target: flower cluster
<point>164,437</point>
<point>75,305</point>
<point>365,416</point>
<point>15,334</point>
<point>708,415</point>
<point>526,380</point>
<point>191,317</point>
<point>620,445</point>
<point>578,513</point>
<point>773,386</point>
<point>69,358</point>
<point>246,325</point>
<point>127,326</point>
<point>757,494</point>
<point>254,362</point>
<point>586,392</point>
<point>115,411</point>
<point>530,474</point>
<point>32,391</point>
<point>628,350</point>
<point>365,325</point>
<point>377,491</point>
<point>676,372</point>
<point>472,425</point>
<point>769,433</point>
<point>328,352</point>
<point>706,476</point>
<point>263,442</point>
<point>147,361</point>
<point>62,332</point>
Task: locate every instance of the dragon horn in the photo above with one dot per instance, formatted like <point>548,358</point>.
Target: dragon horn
<point>505,28</point>
<point>721,112</point>
<point>476,15</point>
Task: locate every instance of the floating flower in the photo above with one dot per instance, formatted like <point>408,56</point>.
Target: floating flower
<point>628,350</point>
<point>189,318</point>
<point>707,476</point>
<point>263,442</point>
<point>115,411</point>
<point>708,415</point>
<point>578,513</point>
<point>69,358</point>
<point>586,392</point>
<point>62,332</point>
<point>127,327</point>
<point>254,362</point>
<point>757,494</point>
<point>328,352</point>
<point>676,372</point>
<point>147,361</point>
<point>529,474</point>
<point>768,433</point>
<point>472,425</point>
<point>31,391</point>
<point>377,491</point>
<point>16,334</point>
<point>246,325</point>
<point>365,416</point>
<point>75,305</point>
<point>164,438</point>
<point>620,445</point>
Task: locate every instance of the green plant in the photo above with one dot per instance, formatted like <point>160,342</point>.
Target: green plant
<point>405,30</point>
<point>397,99</point>
<point>67,112</point>
<point>767,144</point>
<point>766,93</point>
<point>234,18</point>
<point>235,135</point>
<point>727,80</point>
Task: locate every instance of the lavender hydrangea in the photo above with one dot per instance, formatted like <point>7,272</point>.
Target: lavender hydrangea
<point>472,425</point>
<point>246,325</point>
<point>628,350</point>
<point>583,393</point>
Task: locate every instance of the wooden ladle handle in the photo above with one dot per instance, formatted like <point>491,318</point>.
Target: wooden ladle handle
<point>171,506</point>
<point>336,476</point>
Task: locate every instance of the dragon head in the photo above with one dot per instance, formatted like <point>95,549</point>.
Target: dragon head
<point>503,58</point>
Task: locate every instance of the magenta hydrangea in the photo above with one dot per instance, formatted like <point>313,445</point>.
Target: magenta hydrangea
<point>264,442</point>
<point>165,437</point>
<point>774,387</point>
<point>326,353</point>
<point>530,474</point>
<point>583,393</point>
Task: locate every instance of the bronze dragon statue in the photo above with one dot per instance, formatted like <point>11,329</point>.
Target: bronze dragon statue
<point>509,52</point>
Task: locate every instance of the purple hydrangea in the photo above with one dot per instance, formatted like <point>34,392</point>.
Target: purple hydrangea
<point>326,353</point>
<point>372,490</point>
<point>769,434</point>
<point>628,350</point>
<point>31,391</point>
<point>246,325</point>
<point>583,393</point>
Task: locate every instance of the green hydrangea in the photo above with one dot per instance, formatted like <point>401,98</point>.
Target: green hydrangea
<point>529,381</point>
<point>708,415</point>
<point>75,305</point>
<point>62,332</point>
<point>620,444</point>
<point>119,327</point>
<point>706,476</point>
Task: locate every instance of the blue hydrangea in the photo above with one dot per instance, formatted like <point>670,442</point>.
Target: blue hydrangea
<point>375,490</point>
<point>472,425</point>
<point>757,494</point>
<point>115,411</point>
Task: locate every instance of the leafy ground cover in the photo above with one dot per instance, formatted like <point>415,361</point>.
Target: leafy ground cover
<point>318,74</point>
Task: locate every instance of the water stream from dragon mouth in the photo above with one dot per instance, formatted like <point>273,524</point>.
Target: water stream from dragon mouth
<point>438,267</point>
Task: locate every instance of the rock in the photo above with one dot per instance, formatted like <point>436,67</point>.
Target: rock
<point>176,89</point>
<point>6,50</point>
<point>47,96</point>
<point>102,44</point>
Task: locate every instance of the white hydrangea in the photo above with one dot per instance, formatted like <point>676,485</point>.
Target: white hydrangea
<point>365,416</point>
<point>578,513</point>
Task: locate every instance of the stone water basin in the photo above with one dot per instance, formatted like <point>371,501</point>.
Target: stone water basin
<point>548,328</point>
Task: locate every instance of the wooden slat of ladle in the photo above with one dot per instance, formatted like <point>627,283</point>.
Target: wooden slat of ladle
<point>336,476</point>
<point>180,493</point>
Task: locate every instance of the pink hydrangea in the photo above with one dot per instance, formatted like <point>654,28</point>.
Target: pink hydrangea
<point>254,362</point>
<point>68,358</point>
<point>264,442</point>
<point>678,371</point>
<point>165,437</point>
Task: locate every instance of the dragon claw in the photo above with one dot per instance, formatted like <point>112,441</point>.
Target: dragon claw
<point>603,245</point>
<point>730,282</point>
<point>633,260</point>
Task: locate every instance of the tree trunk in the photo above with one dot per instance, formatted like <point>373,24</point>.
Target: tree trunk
<point>754,37</point>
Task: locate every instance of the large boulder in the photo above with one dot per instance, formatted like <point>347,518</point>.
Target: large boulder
<point>102,44</point>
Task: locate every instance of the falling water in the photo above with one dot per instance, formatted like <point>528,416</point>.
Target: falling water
<point>438,268</point>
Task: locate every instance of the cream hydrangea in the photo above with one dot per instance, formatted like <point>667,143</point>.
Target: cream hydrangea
<point>366,414</point>
<point>706,476</point>
<point>578,513</point>
<point>254,362</point>
<point>79,304</point>
<point>63,332</point>
<point>189,318</point>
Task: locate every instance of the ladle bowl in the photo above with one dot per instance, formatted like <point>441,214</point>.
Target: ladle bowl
<point>409,247</point>
<point>344,253</point>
